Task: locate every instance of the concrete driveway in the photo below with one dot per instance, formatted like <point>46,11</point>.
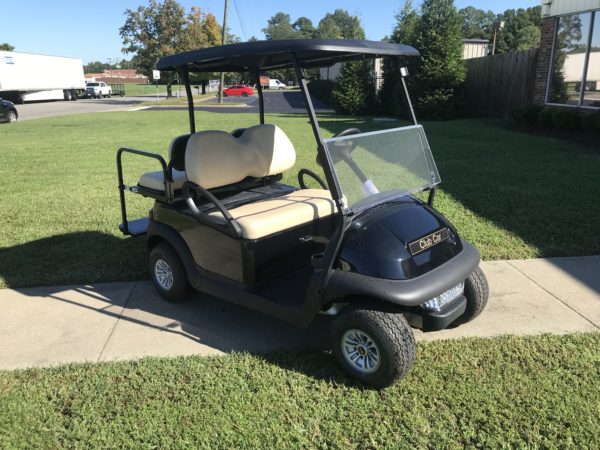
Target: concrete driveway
<point>115,321</point>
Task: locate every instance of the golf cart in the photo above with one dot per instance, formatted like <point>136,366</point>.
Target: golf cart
<point>363,248</point>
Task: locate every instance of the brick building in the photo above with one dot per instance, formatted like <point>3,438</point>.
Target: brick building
<point>568,60</point>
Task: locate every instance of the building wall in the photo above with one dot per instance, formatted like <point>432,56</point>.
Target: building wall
<point>560,7</point>
<point>475,50</point>
<point>544,60</point>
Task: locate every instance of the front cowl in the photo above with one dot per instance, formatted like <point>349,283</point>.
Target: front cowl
<point>377,242</point>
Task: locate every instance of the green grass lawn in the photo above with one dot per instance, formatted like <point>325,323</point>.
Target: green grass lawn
<point>526,392</point>
<point>512,194</point>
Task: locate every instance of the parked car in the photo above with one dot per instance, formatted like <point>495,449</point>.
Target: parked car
<point>238,89</point>
<point>8,112</point>
<point>98,90</point>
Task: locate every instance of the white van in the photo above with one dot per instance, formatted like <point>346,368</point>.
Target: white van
<point>274,83</point>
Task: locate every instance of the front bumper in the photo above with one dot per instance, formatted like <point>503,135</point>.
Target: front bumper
<point>437,320</point>
<point>407,293</point>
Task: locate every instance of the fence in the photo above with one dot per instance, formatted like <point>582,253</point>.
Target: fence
<point>497,84</point>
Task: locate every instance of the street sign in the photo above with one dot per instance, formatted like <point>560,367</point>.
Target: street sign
<point>156,74</point>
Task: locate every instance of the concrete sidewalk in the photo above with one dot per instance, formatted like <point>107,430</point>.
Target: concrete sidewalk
<point>113,321</point>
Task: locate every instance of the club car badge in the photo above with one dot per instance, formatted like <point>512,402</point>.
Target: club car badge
<point>422,244</point>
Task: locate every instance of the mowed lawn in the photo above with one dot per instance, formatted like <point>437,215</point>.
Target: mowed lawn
<point>513,195</point>
<point>510,392</point>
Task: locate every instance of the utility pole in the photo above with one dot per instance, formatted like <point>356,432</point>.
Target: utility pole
<point>222,82</point>
<point>499,25</point>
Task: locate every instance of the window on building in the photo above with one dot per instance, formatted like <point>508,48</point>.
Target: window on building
<point>591,93</point>
<point>570,44</point>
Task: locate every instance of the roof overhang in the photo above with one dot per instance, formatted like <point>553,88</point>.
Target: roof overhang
<point>552,8</point>
<point>278,54</point>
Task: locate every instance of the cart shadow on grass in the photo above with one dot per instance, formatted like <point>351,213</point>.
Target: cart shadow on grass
<point>202,320</point>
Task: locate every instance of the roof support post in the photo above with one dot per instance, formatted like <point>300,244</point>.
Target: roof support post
<point>261,100</point>
<point>185,76</point>
<point>403,74</point>
<point>324,158</point>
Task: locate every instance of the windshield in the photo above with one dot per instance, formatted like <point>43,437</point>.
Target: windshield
<point>93,84</point>
<point>379,166</point>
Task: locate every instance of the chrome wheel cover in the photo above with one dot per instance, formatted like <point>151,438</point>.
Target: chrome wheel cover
<point>163,274</point>
<point>360,351</point>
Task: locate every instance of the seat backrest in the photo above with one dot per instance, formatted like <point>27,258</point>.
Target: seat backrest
<point>216,158</point>
<point>177,151</point>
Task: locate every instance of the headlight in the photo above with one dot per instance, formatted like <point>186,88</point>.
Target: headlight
<point>437,303</point>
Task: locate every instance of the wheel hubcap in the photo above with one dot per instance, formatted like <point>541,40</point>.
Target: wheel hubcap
<point>361,351</point>
<point>163,274</point>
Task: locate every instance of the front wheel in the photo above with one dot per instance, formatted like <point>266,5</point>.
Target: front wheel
<point>375,347</point>
<point>12,116</point>
<point>168,274</point>
<point>476,293</point>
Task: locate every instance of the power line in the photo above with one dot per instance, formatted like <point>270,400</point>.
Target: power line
<point>237,11</point>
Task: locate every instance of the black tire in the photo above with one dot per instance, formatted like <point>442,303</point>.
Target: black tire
<point>68,95</point>
<point>224,94</point>
<point>244,94</point>
<point>12,117</point>
<point>393,339</point>
<point>109,95</point>
<point>180,288</point>
<point>477,293</point>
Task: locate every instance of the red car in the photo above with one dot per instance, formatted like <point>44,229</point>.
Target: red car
<point>238,89</point>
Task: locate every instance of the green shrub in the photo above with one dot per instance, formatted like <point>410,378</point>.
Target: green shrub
<point>591,121</point>
<point>566,119</point>
<point>526,114</point>
<point>321,89</point>
<point>546,118</point>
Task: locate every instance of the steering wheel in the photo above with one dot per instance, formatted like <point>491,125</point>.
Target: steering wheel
<point>341,150</point>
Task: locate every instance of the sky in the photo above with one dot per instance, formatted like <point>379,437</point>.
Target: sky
<point>90,30</point>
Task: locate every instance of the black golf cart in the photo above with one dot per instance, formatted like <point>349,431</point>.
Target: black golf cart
<point>362,248</point>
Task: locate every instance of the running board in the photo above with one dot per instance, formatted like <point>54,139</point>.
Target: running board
<point>135,227</point>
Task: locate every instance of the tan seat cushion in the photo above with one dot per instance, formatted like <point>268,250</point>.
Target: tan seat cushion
<point>266,217</point>
<point>155,180</point>
<point>216,158</point>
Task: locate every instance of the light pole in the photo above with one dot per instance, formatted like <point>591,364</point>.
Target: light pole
<point>498,25</point>
<point>223,36</point>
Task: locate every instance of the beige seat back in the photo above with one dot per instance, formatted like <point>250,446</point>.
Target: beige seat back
<point>216,158</point>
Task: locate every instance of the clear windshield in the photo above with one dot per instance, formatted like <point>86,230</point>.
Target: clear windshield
<point>379,166</point>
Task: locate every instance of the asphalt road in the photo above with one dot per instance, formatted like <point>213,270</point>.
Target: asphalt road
<point>278,102</point>
<point>38,110</point>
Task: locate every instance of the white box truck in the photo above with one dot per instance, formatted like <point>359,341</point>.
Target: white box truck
<point>30,77</point>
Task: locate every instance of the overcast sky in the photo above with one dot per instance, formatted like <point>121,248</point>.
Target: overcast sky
<point>90,30</point>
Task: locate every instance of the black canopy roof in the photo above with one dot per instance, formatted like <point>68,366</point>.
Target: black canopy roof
<point>277,54</point>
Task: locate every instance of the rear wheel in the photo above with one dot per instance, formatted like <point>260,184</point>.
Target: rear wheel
<point>224,94</point>
<point>476,293</point>
<point>375,347</point>
<point>168,274</point>
<point>12,116</point>
<point>244,94</point>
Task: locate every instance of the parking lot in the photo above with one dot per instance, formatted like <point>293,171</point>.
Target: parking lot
<point>38,110</point>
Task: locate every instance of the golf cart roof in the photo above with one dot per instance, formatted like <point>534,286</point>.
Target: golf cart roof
<point>277,54</point>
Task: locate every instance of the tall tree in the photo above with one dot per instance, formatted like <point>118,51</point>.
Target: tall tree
<point>476,23</point>
<point>347,26</point>
<point>7,47</point>
<point>438,82</point>
<point>162,29</point>
<point>304,28</point>
<point>279,27</point>
<point>391,95</point>
<point>522,29</point>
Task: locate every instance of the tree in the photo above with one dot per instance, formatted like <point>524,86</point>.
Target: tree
<point>391,95</point>
<point>437,76</point>
<point>304,28</point>
<point>7,47</point>
<point>279,27</point>
<point>354,92</point>
<point>438,82</point>
<point>162,29</point>
<point>522,29</point>
<point>340,25</point>
<point>476,23</point>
